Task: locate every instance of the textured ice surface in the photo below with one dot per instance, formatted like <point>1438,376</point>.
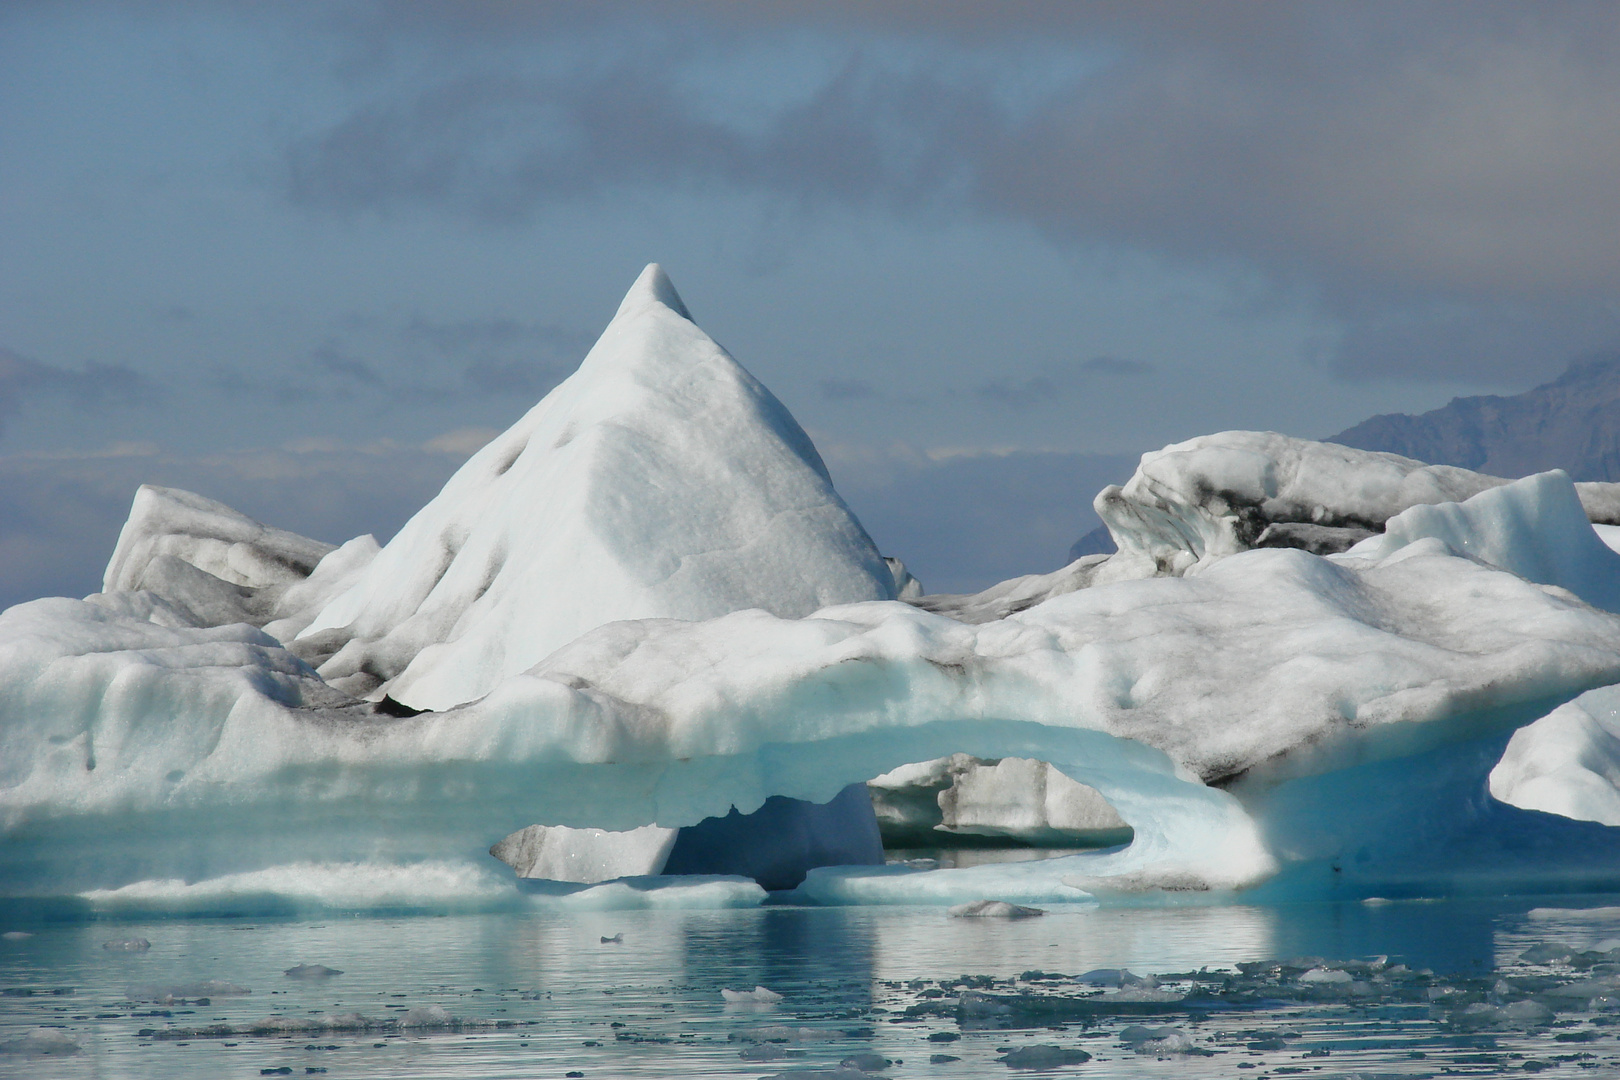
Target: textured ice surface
<point>1232,702</point>
<point>587,856</point>
<point>145,764</point>
<point>1534,527</point>
<point>660,480</point>
<point>209,536</point>
<point>1201,500</point>
<point>1014,797</point>
<point>1567,762</point>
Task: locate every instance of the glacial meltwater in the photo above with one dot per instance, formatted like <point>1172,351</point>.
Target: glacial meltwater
<point>1393,989</point>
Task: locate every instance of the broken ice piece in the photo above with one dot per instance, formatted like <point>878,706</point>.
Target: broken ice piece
<point>616,939</point>
<point>992,909</point>
<point>757,996</point>
<point>15,935</point>
<point>128,944</point>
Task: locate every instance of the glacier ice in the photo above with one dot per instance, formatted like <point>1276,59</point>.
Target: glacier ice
<point>220,758</point>
<point>642,618</point>
<point>1534,527</point>
<point>586,856</point>
<point>660,480</point>
<point>1017,798</point>
<point>1198,501</point>
<point>1567,762</point>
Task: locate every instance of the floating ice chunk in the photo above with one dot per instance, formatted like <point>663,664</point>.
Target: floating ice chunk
<point>1156,1040</point>
<point>660,480</point>
<point>993,909</point>
<point>311,971</point>
<point>1327,976</point>
<point>757,996</point>
<point>41,1042</point>
<point>15,935</point>
<point>616,939</point>
<point>1012,797</point>
<point>316,886</point>
<point>130,944</point>
<point>426,1016</point>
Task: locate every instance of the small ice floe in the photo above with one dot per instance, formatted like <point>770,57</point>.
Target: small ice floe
<point>993,909</point>
<point>1042,1056</point>
<point>1157,1040</point>
<point>616,939</point>
<point>1326,976</point>
<point>41,1042</point>
<point>1519,1014</point>
<point>757,996</point>
<point>15,935</point>
<point>312,971</point>
<point>127,944</point>
<point>427,1016</point>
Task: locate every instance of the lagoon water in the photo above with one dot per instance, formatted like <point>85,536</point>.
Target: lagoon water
<point>541,994</point>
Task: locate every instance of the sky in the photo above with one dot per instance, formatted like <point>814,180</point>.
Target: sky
<point>305,257</point>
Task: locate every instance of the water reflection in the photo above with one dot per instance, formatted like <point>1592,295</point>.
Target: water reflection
<point>542,993</point>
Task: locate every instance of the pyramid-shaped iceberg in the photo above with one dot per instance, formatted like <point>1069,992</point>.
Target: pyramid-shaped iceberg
<point>660,480</point>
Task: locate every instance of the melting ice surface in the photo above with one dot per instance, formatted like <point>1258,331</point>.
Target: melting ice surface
<point>1460,987</point>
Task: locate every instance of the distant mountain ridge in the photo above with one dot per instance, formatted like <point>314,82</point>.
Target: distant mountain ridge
<point>1571,423</point>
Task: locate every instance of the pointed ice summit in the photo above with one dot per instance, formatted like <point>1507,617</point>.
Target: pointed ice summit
<point>660,480</point>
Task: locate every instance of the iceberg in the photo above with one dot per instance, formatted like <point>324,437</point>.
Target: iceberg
<point>639,636</point>
<point>136,753</point>
<point>1198,501</point>
<point>1014,798</point>
<point>659,481</point>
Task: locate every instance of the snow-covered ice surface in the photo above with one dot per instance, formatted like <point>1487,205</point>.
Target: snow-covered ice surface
<point>1568,762</point>
<point>660,480</point>
<point>1398,989</point>
<point>136,753</point>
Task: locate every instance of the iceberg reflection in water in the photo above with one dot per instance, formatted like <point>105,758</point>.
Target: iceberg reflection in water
<point>1399,988</point>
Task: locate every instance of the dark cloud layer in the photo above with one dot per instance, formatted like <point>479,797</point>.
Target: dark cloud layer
<point>964,523</point>
<point>1384,159</point>
<point>95,386</point>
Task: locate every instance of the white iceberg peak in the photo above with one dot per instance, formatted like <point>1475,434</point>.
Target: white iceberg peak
<point>652,287</point>
<point>660,480</point>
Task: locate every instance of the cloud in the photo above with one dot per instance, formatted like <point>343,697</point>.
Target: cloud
<point>847,390</point>
<point>96,385</point>
<point>968,519</point>
<point>1058,382</point>
<point>1378,159</point>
